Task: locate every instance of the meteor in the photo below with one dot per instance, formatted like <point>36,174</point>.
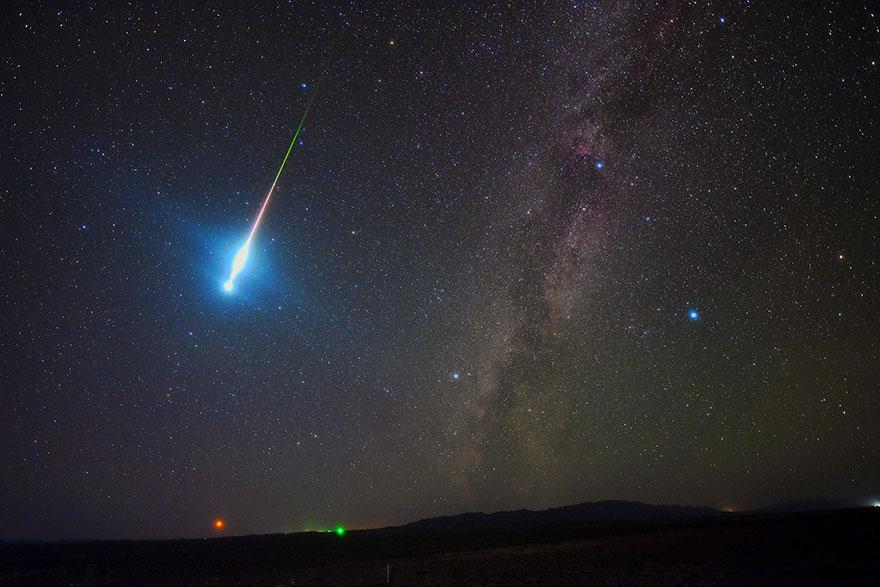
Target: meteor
<point>241,257</point>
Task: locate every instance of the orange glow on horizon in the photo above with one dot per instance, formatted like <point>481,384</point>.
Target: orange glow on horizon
<point>219,524</point>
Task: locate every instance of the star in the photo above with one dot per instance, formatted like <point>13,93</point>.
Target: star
<point>693,315</point>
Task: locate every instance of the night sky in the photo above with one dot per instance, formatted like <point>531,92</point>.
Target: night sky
<point>522,256</point>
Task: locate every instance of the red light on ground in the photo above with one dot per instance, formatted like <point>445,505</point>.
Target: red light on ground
<point>219,524</point>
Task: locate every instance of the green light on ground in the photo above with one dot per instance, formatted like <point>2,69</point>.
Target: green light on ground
<point>340,531</point>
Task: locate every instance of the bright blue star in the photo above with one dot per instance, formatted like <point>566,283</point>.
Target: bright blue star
<point>456,375</point>
<point>600,165</point>
<point>304,85</point>
<point>693,315</point>
<point>722,20</point>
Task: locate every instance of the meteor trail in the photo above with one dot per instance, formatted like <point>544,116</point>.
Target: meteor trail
<point>241,256</point>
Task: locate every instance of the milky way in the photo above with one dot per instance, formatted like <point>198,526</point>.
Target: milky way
<point>530,256</point>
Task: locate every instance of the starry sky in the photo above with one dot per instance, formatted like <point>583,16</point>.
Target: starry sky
<point>523,255</point>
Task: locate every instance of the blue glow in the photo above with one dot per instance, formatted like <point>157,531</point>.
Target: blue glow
<point>693,315</point>
<point>304,85</point>
<point>722,20</point>
<point>456,375</point>
<point>600,165</point>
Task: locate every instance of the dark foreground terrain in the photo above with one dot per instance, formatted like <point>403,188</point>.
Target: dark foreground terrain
<point>789,549</point>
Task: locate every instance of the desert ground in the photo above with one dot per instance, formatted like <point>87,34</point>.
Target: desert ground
<point>829,548</point>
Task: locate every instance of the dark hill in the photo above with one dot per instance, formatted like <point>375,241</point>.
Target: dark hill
<point>578,514</point>
<point>813,505</point>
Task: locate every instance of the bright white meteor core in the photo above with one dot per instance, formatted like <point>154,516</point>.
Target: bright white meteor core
<point>237,265</point>
<point>241,257</point>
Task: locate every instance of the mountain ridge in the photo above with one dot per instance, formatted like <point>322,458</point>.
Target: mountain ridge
<point>607,511</point>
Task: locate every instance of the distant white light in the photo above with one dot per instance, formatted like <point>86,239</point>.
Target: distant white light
<point>227,286</point>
